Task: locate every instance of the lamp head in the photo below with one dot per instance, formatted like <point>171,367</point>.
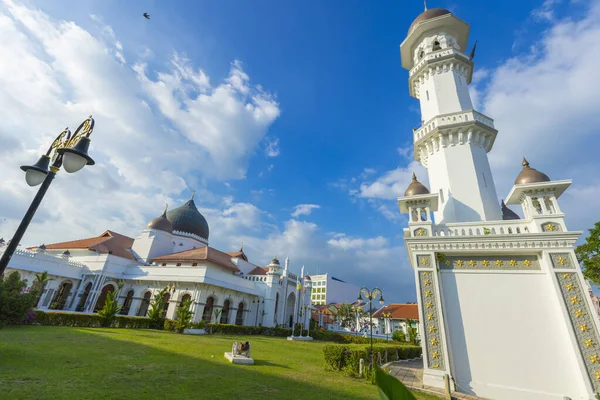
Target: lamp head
<point>36,173</point>
<point>76,157</point>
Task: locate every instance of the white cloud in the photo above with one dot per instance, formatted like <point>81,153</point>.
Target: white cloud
<point>154,137</point>
<point>392,184</point>
<point>346,243</point>
<point>546,11</point>
<point>272,147</point>
<point>304,209</point>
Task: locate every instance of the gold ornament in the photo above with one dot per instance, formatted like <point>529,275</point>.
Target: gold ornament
<point>436,365</point>
<point>435,354</point>
<point>429,304</point>
<point>570,286</point>
<point>597,375</point>
<point>429,317</point>
<point>566,276</point>
<point>427,282</point>
<point>460,263</point>
<point>472,263</point>
<point>447,262</point>
<point>578,313</point>
<point>583,327</point>
<point>432,329</point>
<point>574,300</point>
<point>513,263</point>
<point>433,341</point>
<point>527,263</point>
<point>424,261</point>
<point>550,227</point>
<point>499,263</point>
<point>421,232</point>
<point>594,358</point>
<point>589,343</point>
<point>427,293</point>
<point>561,260</point>
<point>485,263</point>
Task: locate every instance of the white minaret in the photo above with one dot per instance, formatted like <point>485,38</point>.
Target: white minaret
<point>454,139</point>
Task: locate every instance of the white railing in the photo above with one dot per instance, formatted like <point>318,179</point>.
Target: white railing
<point>451,119</point>
<point>433,56</point>
<point>484,228</point>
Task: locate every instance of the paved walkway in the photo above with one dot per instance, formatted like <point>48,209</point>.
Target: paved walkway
<point>411,374</point>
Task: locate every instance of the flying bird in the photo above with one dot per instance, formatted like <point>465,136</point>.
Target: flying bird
<point>146,15</point>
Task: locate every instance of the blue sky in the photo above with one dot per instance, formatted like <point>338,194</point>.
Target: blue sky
<point>335,125</point>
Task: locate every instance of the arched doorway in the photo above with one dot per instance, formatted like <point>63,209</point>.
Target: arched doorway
<point>225,312</point>
<point>127,303</point>
<point>84,297</point>
<point>145,304</point>
<point>290,307</point>
<point>166,299</point>
<point>102,298</point>
<point>239,316</point>
<point>208,310</point>
<point>60,299</point>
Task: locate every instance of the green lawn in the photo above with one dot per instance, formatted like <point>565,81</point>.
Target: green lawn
<point>78,363</point>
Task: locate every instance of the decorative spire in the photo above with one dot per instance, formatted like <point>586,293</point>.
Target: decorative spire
<point>525,163</point>
<point>193,194</point>
<point>164,214</point>
<point>425,3</point>
<point>414,177</point>
<point>242,247</point>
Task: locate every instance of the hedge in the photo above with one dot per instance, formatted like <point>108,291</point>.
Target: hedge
<point>87,320</point>
<point>346,358</point>
<point>322,334</point>
<point>228,329</point>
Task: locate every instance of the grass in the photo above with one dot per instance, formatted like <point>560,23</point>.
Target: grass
<point>67,363</point>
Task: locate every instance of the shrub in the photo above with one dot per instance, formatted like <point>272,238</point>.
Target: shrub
<point>198,325</point>
<point>399,336</point>
<point>156,309</point>
<point>184,316</point>
<point>15,301</point>
<point>170,325</point>
<point>111,307</point>
<point>347,357</point>
<point>88,320</point>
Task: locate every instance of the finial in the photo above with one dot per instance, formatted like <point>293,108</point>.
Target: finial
<point>242,247</point>
<point>502,203</point>
<point>425,3</point>
<point>193,194</point>
<point>164,214</point>
<point>414,178</point>
<point>525,163</point>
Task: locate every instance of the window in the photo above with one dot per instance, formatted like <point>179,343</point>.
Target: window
<point>421,54</point>
<point>178,265</point>
<point>549,204</point>
<point>239,317</point>
<point>427,93</point>
<point>536,205</point>
<point>436,46</point>
<point>423,214</point>
<point>194,264</point>
<point>164,264</point>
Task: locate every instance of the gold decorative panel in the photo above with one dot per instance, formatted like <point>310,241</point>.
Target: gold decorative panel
<point>562,260</point>
<point>491,262</point>
<point>424,261</point>
<point>551,227</point>
<point>583,324</point>
<point>421,232</point>
<point>431,322</point>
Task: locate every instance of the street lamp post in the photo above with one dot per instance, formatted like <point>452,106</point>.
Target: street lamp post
<point>260,300</point>
<point>370,295</point>
<point>70,151</point>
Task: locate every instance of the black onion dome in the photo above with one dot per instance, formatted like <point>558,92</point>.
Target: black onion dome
<point>161,223</point>
<point>188,219</point>
<point>507,213</point>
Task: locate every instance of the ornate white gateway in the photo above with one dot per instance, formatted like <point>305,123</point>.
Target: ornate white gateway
<point>502,300</point>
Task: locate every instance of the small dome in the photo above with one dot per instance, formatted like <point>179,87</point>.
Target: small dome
<point>530,175</point>
<point>507,213</point>
<point>415,188</point>
<point>66,253</point>
<point>274,261</point>
<point>161,223</point>
<point>188,219</point>
<point>428,14</point>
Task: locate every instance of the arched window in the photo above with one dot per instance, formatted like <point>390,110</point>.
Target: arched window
<point>127,303</point>
<point>536,205</point>
<point>225,312</point>
<point>421,54</point>
<point>423,214</point>
<point>166,299</point>
<point>414,214</point>
<point>61,296</point>
<point>208,309</point>
<point>84,297</point>
<point>436,46</point>
<point>239,316</point>
<point>549,205</point>
<point>105,290</point>
<point>185,298</point>
<point>145,304</point>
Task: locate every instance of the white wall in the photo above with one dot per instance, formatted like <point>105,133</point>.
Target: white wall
<point>505,330</point>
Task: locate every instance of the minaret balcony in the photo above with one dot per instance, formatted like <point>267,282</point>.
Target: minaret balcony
<point>448,120</point>
<point>535,225</point>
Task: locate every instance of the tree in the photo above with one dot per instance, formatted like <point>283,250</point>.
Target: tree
<point>111,307</point>
<point>217,314</point>
<point>41,279</point>
<point>155,311</point>
<point>15,300</point>
<point>412,332</point>
<point>346,315</point>
<point>184,316</point>
<point>589,255</point>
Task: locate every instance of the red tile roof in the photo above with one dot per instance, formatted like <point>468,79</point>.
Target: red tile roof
<point>238,254</point>
<point>202,254</point>
<point>258,271</point>
<point>107,243</point>
<point>400,311</point>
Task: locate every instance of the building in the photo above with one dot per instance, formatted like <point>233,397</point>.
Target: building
<point>171,251</point>
<point>394,317</point>
<point>502,301</point>
<point>328,289</point>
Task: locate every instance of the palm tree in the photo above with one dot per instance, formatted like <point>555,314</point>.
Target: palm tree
<point>40,284</point>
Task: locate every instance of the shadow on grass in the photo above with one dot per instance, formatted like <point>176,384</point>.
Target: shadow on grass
<point>66,363</point>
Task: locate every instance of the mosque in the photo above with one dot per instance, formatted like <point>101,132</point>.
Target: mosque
<point>172,251</point>
<point>503,305</point>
